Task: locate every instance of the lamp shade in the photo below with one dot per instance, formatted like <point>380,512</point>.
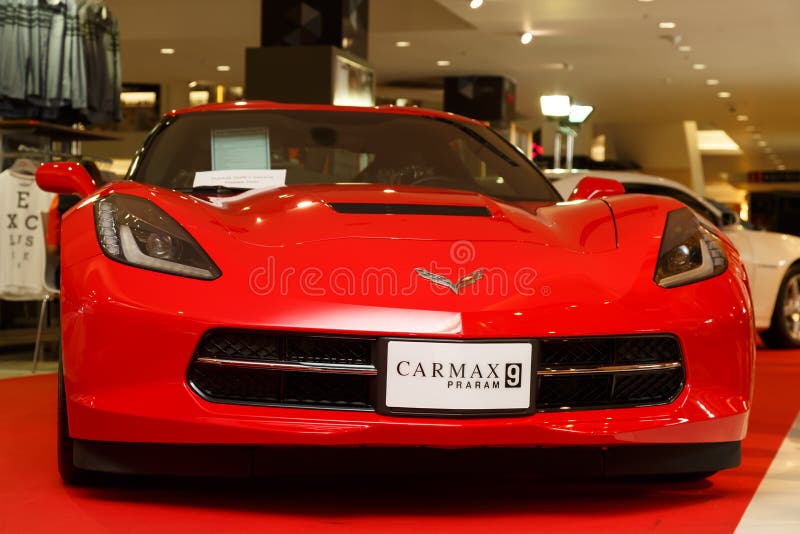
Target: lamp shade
<point>555,105</point>
<point>578,113</point>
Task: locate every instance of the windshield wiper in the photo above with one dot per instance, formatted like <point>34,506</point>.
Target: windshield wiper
<point>212,190</point>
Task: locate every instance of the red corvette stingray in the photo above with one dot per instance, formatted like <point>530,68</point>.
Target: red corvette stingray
<point>292,287</point>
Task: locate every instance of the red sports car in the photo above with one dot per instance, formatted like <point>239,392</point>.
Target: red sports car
<point>294,287</point>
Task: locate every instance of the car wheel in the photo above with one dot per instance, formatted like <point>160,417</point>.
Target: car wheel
<point>784,331</point>
<point>71,475</point>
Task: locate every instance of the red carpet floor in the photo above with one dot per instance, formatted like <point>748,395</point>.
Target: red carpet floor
<point>32,498</point>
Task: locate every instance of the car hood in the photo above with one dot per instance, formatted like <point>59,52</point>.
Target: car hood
<point>763,248</point>
<point>306,214</point>
<point>590,259</point>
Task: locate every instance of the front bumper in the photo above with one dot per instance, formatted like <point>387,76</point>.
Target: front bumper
<point>129,336</point>
<point>244,461</point>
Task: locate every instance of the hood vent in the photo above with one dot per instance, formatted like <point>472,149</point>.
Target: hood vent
<point>410,209</point>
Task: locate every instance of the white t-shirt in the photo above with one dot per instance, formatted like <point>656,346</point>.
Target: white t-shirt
<point>22,244</point>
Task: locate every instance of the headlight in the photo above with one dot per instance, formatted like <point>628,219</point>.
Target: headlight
<point>135,231</point>
<point>690,251</point>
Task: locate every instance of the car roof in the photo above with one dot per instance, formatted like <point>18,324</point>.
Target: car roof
<point>268,105</point>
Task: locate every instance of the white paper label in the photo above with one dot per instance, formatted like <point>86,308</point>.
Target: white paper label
<point>242,179</point>
<point>458,376</point>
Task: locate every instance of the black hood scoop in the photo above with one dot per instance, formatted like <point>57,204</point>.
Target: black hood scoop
<point>409,209</point>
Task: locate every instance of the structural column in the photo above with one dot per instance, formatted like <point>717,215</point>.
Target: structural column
<point>312,51</point>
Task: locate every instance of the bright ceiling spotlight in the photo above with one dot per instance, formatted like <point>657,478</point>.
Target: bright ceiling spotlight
<point>724,94</point>
<point>712,82</point>
<point>742,118</point>
<point>167,51</point>
<point>578,113</point>
<point>699,66</point>
<point>667,25</point>
<point>555,105</point>
<point>526,38</point>
<point>684,48</point>
<point>223,68</point>
<point>402,44</point>
<point>443,63</point>
<point>475,4</point>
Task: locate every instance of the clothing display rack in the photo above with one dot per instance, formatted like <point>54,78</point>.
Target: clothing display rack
<point>39,141</point>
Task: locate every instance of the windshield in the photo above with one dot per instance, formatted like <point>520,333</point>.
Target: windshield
<point>334,147</point>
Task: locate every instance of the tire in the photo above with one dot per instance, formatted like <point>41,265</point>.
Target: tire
<point>71,475</point>
<point>784,331</point>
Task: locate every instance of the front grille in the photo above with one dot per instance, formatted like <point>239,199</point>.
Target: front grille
<point>246,386</point>
<point>273,347</point>
<point>579,373</point>
<point>327,371</point>
<point>253,367</point>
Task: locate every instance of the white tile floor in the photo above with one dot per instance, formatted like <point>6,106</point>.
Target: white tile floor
<point>776,505</point>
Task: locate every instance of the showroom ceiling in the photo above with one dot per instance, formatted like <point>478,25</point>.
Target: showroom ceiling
<point>608,53</point>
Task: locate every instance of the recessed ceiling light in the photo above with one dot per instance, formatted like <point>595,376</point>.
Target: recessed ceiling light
<point>167,51</point>
<point>712,82</point>
<point>667,25</point>
<point>557,66</point>
<point>645,1</point>
<point>223,68</point>
<point>742,118</point>
<point>192,85</point>
<point>762,143</point>
<point>699,66</point>
<point>724,94</point>
<point>781,167</point>
<point>526,38</point>
<point>684,48</point>
<point>475,4</point>
<point>443,63</point>
<point>402,44</point>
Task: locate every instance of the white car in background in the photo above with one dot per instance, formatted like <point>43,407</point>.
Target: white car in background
<point>772,260</point>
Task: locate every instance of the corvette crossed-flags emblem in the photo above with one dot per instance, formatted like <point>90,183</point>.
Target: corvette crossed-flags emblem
<point>456,286</point>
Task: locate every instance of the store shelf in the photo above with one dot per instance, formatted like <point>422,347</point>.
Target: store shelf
<point>27,336</point>
<point>56,132</point>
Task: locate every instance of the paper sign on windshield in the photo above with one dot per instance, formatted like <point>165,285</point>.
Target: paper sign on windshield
<point>242,179</point>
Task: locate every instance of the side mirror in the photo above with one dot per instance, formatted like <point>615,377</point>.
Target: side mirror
<point>591,187</point>
<point>729,219</point>
<point>65,178</point>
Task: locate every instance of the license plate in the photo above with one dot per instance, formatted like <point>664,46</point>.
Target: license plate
<point>452,376</point>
